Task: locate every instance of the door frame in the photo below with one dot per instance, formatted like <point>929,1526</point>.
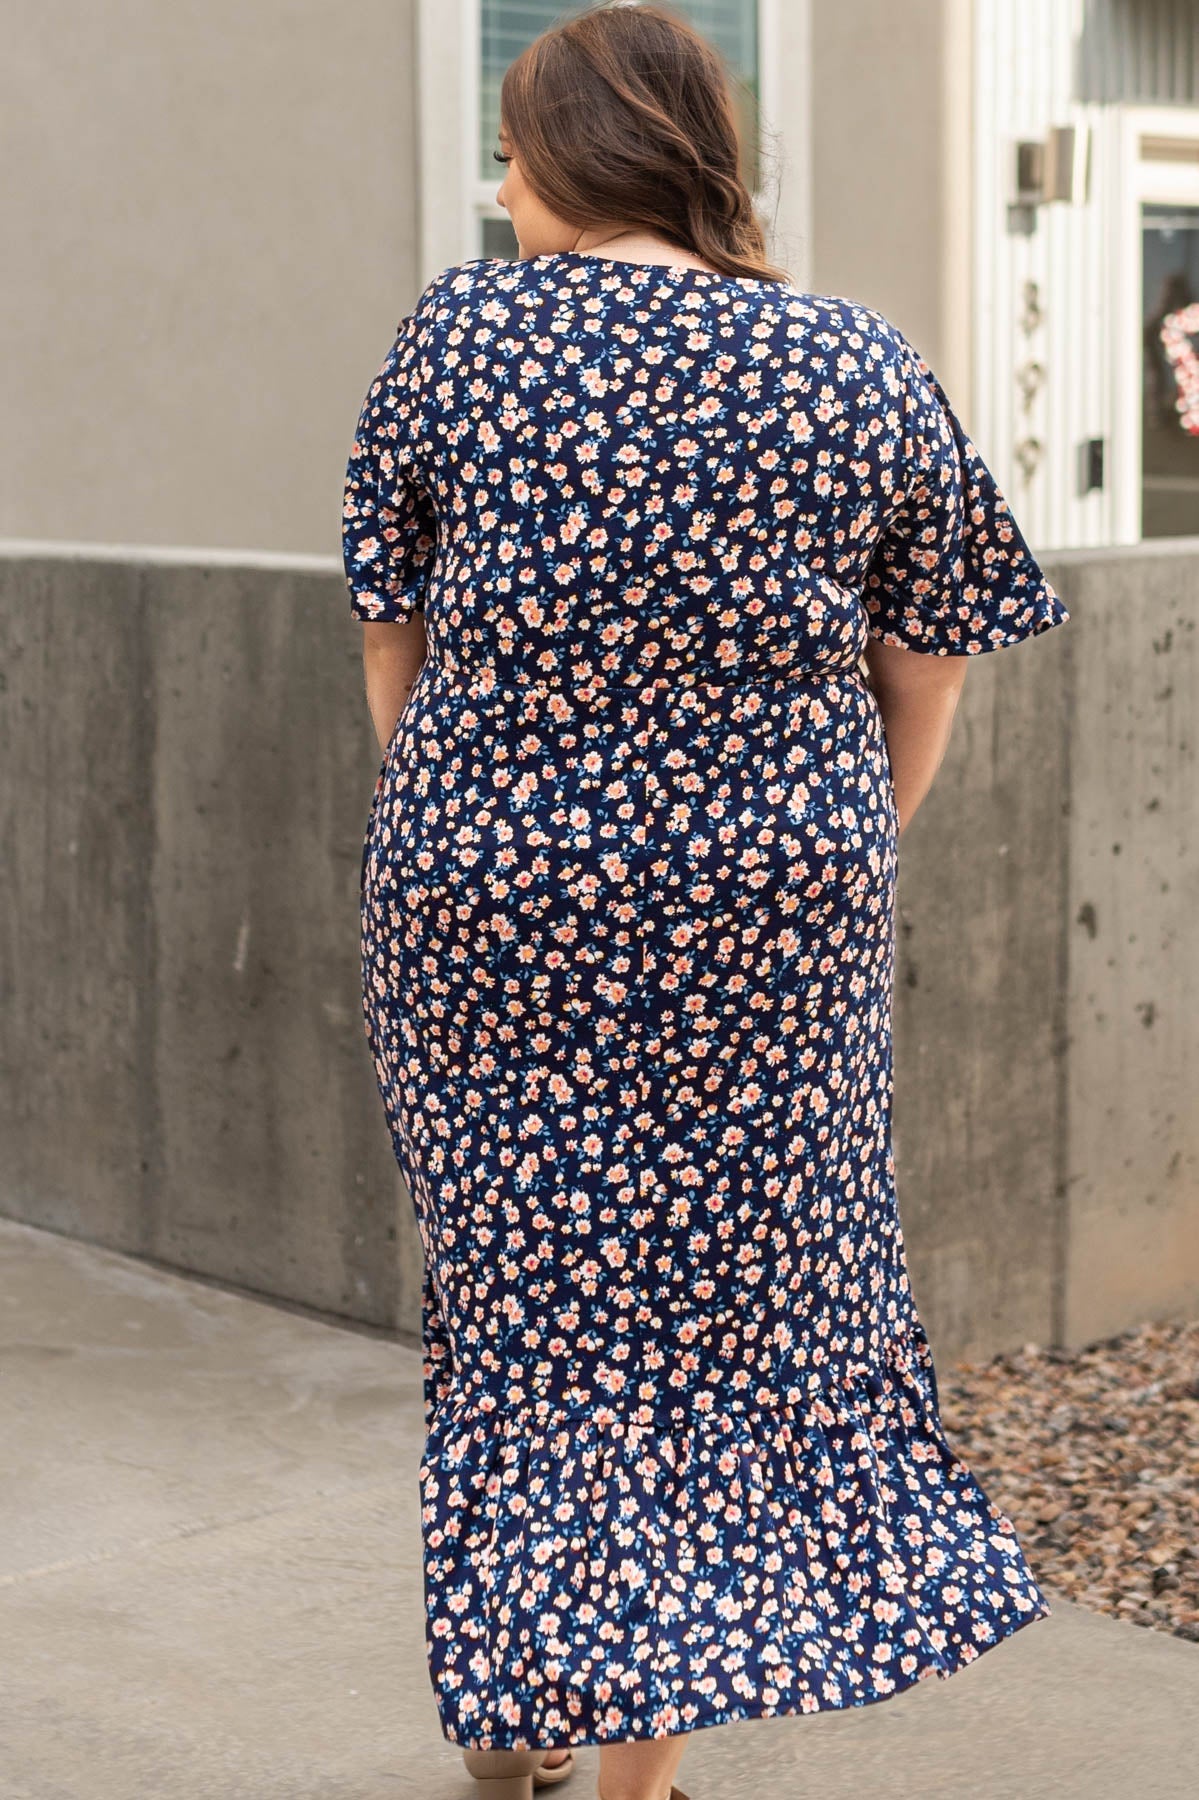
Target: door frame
<point>1165,180</point>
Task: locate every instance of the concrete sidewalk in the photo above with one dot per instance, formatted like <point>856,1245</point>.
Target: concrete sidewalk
<point>210,1585</point>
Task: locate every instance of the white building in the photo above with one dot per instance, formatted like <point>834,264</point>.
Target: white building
<point>220,221</point>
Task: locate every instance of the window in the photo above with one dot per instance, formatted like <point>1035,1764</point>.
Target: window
<point>506,27</point>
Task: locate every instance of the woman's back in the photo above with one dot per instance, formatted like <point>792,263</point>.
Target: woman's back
<point>596,470</point>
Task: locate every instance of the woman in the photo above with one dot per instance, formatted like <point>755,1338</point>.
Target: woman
<point>668,576</point>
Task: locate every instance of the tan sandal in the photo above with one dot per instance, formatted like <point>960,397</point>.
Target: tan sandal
<point>544,1777</point>
<point>507,1774</point>
<point>512,1774</point>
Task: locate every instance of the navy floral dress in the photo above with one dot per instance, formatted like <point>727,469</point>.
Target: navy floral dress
<point>627,955</point>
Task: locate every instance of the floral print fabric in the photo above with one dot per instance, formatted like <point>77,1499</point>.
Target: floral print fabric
<point>627,953</point>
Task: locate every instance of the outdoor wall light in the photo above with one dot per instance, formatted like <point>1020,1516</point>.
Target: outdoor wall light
<point>1057,167</point>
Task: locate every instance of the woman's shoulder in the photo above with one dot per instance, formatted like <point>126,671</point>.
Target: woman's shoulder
<point>459,283</point>
<point>856,318</point>
<point>448,289</point>
<point>563,269</point>
<point>863,344</point>
<point>839,321</point>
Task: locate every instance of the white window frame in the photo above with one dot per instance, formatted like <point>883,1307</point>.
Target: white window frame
<point>454,197</point>
<point>1160,183</point>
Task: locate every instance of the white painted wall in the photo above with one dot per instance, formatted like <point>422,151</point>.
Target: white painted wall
<point>210,241</point>
<point>892,161</point>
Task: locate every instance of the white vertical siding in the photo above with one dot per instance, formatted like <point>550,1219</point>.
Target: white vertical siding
<point>1024,81</point>
<point>1037,64</point>
<point>1141,50</point>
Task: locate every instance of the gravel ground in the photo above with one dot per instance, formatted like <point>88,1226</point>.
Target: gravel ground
<point>1094,1456</point>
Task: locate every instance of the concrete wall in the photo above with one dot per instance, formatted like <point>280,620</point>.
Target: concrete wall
<point>186,766</point>
<point>1047,992</point>
<point>1131,926</point>
<point>187,770</point>
<point>210,242</point>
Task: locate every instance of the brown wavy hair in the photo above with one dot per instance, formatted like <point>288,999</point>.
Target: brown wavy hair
<point>625,113</point>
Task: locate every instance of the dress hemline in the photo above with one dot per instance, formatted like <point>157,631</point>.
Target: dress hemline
<point>953,1661</point>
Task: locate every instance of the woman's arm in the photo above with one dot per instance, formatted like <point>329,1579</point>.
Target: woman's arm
<point>951,575</point>
<point>392,654</point>
<point>917,696</point>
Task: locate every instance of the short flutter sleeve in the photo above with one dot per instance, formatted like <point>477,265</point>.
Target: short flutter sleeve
<point>389,525</point>
<point>951,574</point>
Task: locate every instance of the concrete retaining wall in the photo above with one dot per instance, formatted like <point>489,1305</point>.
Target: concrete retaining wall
<point>186,766</point>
